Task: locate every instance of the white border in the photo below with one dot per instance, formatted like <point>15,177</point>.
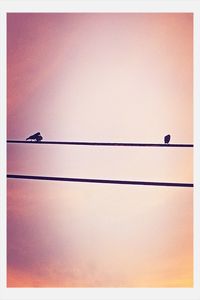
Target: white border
<point>196,163</point>
<point>2,150</point>
<point>99,6</point>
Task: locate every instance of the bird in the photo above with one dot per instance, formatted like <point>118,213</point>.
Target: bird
<point>36,137</point>
<point>167,139</point>
<point>39,138</point>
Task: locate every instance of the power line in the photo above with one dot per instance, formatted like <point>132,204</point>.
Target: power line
<point>99,144</point>
<point>103,181</point>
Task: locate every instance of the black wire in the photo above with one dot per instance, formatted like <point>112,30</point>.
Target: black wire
<point>104,181</point>
<point>99,144</point>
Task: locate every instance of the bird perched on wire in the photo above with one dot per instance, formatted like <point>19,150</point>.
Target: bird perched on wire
<point>35,137</point>
<point>167,139</point>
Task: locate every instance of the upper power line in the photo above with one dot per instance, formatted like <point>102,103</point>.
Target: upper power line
<point>111,144</point>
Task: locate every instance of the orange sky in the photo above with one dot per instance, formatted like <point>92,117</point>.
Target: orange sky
<point>100,77</point>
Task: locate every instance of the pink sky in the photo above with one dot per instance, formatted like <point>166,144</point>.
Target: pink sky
<point>100,77</point>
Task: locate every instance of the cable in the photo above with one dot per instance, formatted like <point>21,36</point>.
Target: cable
<point>99,144</point>
<point>104,181</point>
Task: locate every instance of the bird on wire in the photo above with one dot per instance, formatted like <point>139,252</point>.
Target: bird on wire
<point>167,139</point>
<point>35,137</point>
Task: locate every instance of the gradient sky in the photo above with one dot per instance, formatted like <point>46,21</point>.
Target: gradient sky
<point>100,77</point>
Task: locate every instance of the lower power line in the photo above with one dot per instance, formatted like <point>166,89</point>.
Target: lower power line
<point>102,181</point>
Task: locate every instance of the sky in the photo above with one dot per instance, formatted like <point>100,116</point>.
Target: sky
<point>104,77</point>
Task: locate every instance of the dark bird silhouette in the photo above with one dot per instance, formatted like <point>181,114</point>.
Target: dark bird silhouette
<point>167,139</point>
<point>35,137</point>
<point>39,138</point>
